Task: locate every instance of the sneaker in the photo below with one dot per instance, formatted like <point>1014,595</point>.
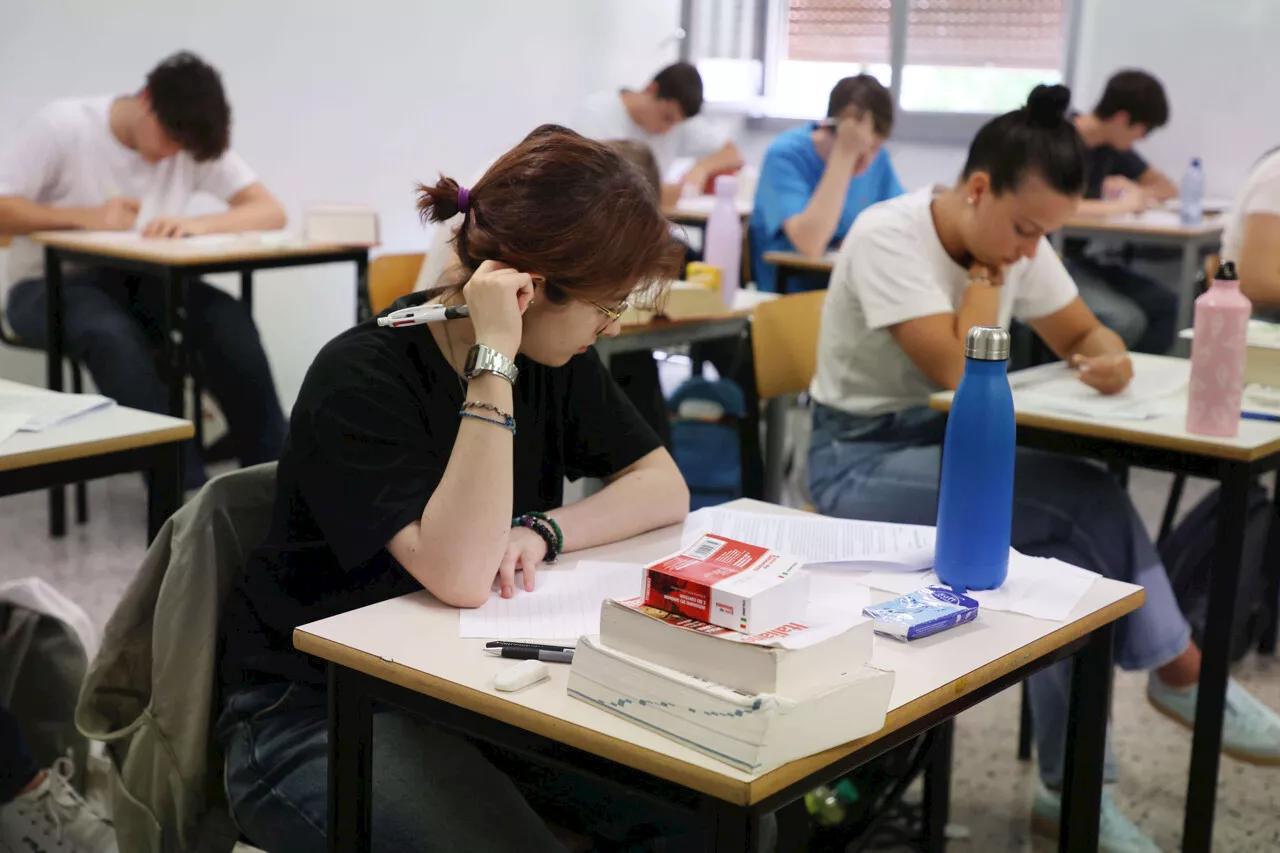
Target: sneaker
<point>54,817</point>
<point>1117,834</point>
<point>1250,730</point>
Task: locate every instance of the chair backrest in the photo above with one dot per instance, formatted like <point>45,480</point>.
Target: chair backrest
<point>784,341</point>
<point>392,276</point>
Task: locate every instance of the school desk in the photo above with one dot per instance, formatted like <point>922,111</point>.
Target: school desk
<point>407,652</point>
<point>99,444</point>
<point>795,265</point>
<point>1164,444</point>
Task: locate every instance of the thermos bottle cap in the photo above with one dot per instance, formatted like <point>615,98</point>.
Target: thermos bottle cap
<point>987,343</point>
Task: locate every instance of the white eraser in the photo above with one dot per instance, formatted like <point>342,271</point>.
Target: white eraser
<point>521,675</point>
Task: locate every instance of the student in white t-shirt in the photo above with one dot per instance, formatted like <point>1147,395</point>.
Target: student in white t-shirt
<point>913,276</point>
<point>664,116</point>
<point>1251,237</point>
<point>134,162</point>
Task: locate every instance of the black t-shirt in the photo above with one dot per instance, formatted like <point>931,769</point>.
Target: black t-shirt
<point>369,438</point>
<point>1101,163</point>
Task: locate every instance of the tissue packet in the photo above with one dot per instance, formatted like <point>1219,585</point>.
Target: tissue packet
<point>922,613</point>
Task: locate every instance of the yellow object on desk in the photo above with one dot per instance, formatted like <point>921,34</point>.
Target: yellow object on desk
<point>707,275</point>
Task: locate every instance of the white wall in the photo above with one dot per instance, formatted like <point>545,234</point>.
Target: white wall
<point>340,101</point>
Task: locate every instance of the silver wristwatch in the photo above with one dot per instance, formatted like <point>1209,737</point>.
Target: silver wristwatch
<point>482,359</point>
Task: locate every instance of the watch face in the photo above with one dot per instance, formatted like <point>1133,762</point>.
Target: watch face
<point>473,356</point>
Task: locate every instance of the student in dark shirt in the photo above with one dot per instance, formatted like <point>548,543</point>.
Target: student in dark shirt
<point>403,469</point>
<point>1118,180</point>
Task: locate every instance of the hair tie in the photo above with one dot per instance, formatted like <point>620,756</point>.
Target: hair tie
<point>464,200</point>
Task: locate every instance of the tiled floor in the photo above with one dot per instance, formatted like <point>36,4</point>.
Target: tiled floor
<point>991,791</point>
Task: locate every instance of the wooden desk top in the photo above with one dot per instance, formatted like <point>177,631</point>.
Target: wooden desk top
<point>188,251</point>
<point>92,434</point>
<point>1152,223</point>
<point>797,261</point>
<point>1257,439</point>
<point>930,673</point>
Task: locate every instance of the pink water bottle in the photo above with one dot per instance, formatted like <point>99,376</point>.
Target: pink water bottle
<point>723,247</point>
<point>1217,356</point>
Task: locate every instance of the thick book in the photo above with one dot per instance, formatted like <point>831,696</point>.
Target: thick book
<point>728,583</point>
<point>753,732</point>
<point>794,659</point>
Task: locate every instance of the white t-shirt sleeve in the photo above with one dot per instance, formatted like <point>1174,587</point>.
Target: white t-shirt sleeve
<point>224,177</point>
<point>1044,287</point>
<point>1264,195</point>
<point>699,137</point>
<point>881,264</point>
<point>602,117</point>
<point>31,161</point>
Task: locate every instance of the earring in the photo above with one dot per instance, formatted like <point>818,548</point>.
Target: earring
<point>971,199</point>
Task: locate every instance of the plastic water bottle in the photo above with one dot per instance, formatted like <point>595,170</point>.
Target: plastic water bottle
<point>1218,348</point>
<point>1191,204</point>
<point>975,499</point>
<point>723,246</point>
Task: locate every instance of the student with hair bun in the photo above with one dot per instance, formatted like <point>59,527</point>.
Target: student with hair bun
<point>433,456</point>
<point>913,276</point>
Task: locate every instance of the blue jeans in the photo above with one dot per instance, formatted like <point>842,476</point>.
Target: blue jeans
<point>1141,311</point>
<point>114,324</point>
<point>432,789</point>
<point>886,468</point>
<point>17,765</point>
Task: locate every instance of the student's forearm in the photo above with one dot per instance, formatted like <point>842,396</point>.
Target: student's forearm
<point>1158,186</point>
<point>1097,341</point>
<point>1101,207</point>
<point>1261,286</point>
<point>726,159</point>
<point>648,495</point>
<point>463,532</point>
<point>22,216</point>
<point>262,215</point>
<point>979,306</point>
<point>811,230</point>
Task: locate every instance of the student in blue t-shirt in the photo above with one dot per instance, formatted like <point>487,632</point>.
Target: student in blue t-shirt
<point>817,178</point>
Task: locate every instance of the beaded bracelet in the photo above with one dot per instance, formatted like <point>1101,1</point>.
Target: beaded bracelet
<point>542,529</point>
<point>488,407</point>
<point>507,423</point>
<point>542,516</point>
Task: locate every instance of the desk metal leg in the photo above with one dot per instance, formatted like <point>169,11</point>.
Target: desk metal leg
<point>937,787</point>
<point>246,290</point>
<point>172,350</point>
<point>53,352</point>
<point>775,431</point>
<point>1026,725</point>
<point>363,309</point>
<point>1078,826</point>
<point>164,487</point>
<point>1271,588</point>
<point>350,789</point>
<point>730,828</point>
<point>1187,283</point>
<point>1197,830</point>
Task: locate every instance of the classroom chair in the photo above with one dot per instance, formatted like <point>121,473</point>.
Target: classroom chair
<point>56,524</point>
<point>392,276</point>
<point>152,691</point>
<point>784,343</point>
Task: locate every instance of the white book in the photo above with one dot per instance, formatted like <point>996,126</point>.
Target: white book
<point>341,224</point>
<point>796,659</point>
<point>753,732</point>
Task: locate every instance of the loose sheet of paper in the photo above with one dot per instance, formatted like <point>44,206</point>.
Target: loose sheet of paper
<point>564,605</point>
<point>43,409</point>
<point>821,541</point>
<point>1057,387</point>
<point>10,423</point>
<point>1036,586</point>
<point>834,591</point>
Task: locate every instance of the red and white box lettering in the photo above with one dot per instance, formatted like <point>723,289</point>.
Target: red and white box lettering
<point>731,584</point>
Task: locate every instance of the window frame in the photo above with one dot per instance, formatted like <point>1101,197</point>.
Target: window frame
<point>925,127</point>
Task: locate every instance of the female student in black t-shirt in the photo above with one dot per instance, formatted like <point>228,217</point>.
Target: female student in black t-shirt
<point>410,451</point>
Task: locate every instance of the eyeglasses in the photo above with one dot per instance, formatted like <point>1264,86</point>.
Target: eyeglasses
<point>614,314</point>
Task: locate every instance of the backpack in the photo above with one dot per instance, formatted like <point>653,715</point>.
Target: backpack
<point>705,439</point>
<point>1189,552</point>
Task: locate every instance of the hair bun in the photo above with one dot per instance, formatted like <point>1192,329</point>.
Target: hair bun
<point>1047,105</point>
<point>438,203</point>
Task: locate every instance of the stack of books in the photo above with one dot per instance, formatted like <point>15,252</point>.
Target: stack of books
<point>795,685</point>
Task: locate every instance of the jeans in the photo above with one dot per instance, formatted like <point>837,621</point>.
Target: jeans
<point>17,765</point>
<point>886,468</point>
<point>114,324</point>
<point>1141,311</point>
<point>433,790</point>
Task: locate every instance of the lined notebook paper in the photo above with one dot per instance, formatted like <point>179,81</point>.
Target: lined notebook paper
<point>564,605</point>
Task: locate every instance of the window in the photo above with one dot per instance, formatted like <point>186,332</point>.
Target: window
<point>943,59</point>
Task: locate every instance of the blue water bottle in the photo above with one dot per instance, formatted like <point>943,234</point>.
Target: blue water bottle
<point>975,499</point>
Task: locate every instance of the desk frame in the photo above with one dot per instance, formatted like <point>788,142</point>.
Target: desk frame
<point>1234,477</point>
<point>173,274</point>
<point>730,826</point>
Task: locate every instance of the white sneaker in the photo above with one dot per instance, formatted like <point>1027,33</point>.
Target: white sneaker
<point>54,818</point>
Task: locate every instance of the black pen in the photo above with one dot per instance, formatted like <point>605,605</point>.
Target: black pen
<point>544,655</point>
<point>512,644</point>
